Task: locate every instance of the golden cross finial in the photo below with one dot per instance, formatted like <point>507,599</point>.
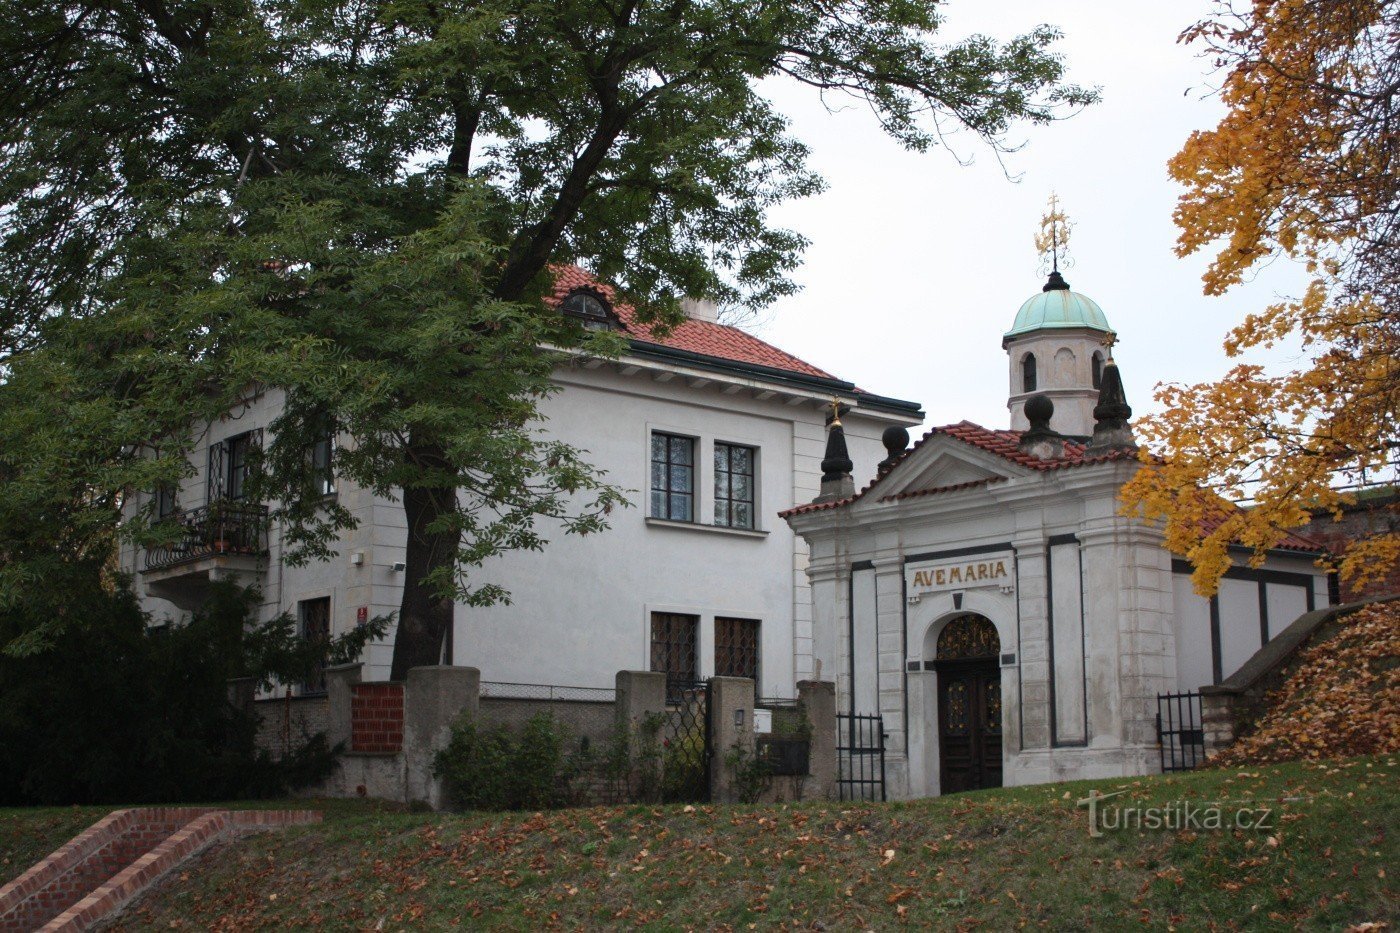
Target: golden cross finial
<point>1109,339</point>
<point>1052,239</point>
<point>835,411</point>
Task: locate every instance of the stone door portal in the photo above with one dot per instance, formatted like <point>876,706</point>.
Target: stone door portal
<point>969,705</point>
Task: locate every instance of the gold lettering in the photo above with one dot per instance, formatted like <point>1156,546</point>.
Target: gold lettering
<point>981,571</point>
<point>955,575</point>
<point>1001,569</point>
<point>942,576</point>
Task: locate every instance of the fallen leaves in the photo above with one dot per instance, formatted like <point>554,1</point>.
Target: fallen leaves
<point>1340,699</point>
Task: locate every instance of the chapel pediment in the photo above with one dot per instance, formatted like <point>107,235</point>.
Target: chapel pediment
<point>942,461</point>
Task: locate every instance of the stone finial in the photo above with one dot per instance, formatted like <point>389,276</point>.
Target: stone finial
<point>836,465</point>
<point>1040,441</point>
<point>1111,414</point>
<point>895,439</point>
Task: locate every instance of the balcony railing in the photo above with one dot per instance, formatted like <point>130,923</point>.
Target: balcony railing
<point>224,527</point>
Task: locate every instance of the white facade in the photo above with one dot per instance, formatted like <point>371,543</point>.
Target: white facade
<point>581,609</point>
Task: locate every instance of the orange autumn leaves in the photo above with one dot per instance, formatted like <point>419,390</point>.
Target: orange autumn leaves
<point>1341,698</point>
<point>1305,164</point>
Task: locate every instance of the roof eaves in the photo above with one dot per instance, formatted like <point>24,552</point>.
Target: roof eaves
<point>659,352</point>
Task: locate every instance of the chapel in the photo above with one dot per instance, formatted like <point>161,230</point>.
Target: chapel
<point>986,597</point>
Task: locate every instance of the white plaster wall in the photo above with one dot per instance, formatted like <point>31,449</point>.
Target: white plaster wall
<point>1068,641</point>
<point>580,609</point>
<point>1239,624</point>
<point>865,691</point>
<point>1193,648</point>
<point>1285,604</point>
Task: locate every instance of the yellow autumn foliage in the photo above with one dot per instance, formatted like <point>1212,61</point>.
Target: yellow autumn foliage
<point>1305,164</point>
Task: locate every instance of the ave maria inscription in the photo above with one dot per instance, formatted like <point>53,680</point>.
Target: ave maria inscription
<point>966,573</point>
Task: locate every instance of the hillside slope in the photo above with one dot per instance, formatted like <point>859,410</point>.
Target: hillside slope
<point>998,859</point>
<point>1340,696</point>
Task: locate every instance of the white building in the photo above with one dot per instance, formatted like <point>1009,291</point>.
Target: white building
<point>987,598</point>
<point>713,432</point>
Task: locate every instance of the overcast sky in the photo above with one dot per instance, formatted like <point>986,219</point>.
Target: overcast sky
<point>918,264</point>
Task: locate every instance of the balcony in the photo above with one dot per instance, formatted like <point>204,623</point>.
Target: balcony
<point>225,540</point>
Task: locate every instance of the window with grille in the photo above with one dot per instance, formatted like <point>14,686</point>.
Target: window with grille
<point>736,648</point>
<point>315,627</point>
<point>673,640</point>
<point>734,485</point>
<point>672,477</point>
<point>231,466</point>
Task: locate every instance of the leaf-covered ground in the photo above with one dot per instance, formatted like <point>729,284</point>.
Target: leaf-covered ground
<point>995,860</point>
<point>1340,697</point>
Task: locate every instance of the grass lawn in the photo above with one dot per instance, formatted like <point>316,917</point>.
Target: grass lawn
<point>995,859</point>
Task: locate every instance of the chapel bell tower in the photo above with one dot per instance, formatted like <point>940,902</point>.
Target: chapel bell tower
<point>1058,344</point>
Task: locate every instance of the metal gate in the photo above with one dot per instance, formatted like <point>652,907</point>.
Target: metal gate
<point>1179,735</point>
<point>860,756</point>
<point>685,743</point>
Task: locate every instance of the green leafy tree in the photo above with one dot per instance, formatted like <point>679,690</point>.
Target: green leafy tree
<point>357,205</point>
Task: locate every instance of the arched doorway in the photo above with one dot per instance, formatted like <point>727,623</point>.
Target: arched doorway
<point>969,704</point>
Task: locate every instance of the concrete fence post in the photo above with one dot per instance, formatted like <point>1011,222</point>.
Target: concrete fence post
<point>639,694</point>
<point>819,700</point>
<point>339,679</point>
<point>433,698</point>
<point>731,726</point>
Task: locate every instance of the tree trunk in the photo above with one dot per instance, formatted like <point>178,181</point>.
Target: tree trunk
<point>424,615</point>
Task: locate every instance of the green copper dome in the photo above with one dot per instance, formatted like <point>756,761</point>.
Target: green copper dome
<point>1056,306</point>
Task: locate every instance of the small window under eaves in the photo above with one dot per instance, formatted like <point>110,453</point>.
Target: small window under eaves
<point>589,307</point>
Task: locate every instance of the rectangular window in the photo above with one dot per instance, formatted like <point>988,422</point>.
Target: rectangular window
<point>672,477</point>
<point>734,476</point>
<point>736,648</point>
<point>230,466</point>
<point>315,627</point>
<point>673,641</point>
<point>165,501</point>
<point>322,465</point>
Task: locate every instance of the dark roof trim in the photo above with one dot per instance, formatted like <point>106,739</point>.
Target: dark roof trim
<point>655,351</point>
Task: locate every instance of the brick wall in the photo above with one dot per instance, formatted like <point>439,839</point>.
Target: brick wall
<point>376,718</point>
<point>105,866</point>
<point>1372,515</point>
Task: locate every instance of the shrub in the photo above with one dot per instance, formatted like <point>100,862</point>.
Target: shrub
<point>632,763</point>
<point>115,710</point>
<point>498,769</point>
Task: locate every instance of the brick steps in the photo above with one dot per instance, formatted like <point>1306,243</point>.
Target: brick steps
<point>117,858</point>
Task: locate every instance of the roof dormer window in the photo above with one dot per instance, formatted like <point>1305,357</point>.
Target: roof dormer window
<point>588,306</point>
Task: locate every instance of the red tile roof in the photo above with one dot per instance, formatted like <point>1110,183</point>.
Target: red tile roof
<point>1004,445</point>
<point>705,337</point>
<point>1292,541</point>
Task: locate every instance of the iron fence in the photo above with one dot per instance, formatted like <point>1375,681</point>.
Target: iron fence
<point>1179,734</point>
<point>506,690</point>
<point>860,756</point>
<point>685,740</point>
